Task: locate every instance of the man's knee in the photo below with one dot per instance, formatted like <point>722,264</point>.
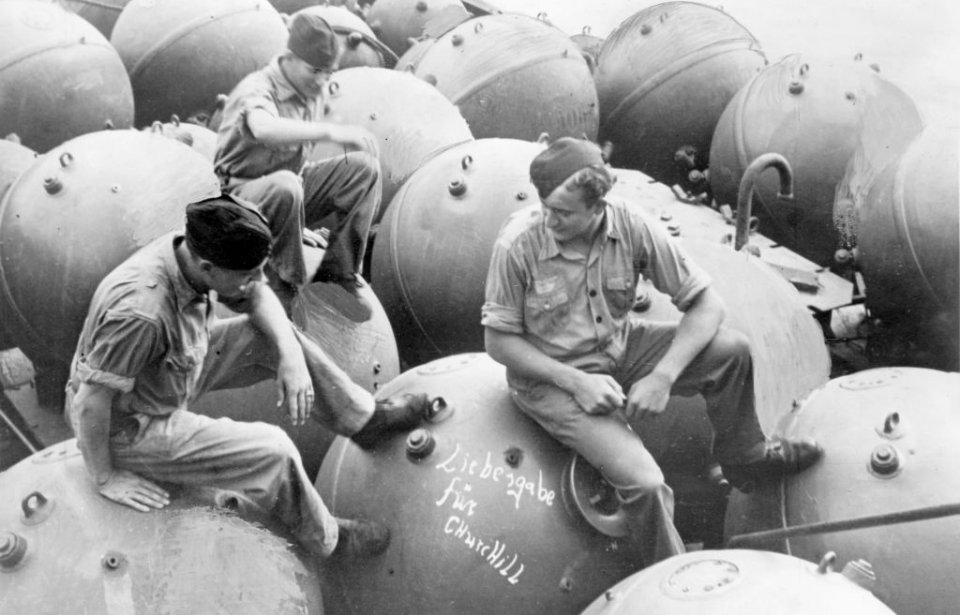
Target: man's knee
<point>732,344</point>
<point>276,444</point>
<point>366,167</point>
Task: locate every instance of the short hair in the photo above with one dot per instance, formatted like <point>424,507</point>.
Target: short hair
<point>595,181</point>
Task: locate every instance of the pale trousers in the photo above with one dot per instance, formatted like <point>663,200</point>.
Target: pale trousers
<point>256,460</point>
<point>722,373</point>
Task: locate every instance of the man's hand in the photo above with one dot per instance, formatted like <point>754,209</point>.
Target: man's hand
<point>316,239</point>
<point>295,388</point>
<point>598,393</point>
<point>127,488</point>
<point>648,396</point>
<point>357,136</point>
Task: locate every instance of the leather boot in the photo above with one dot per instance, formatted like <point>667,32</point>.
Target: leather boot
<point>391,415</point>
<point>361,538</point>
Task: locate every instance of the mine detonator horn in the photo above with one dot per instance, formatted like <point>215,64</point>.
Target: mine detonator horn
<point>745,194</point>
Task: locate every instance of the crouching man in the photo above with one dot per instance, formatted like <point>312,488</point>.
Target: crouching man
<point>151,344</point>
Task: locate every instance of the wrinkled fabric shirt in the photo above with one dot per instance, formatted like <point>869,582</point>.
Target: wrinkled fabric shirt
<point>146,334</point>
<point>239,155</point>
<point>573,308</point>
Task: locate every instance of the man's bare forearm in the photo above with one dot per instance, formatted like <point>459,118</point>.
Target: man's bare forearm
<point>93,405</point>
<point>528,361</point>
<point>698,326</point>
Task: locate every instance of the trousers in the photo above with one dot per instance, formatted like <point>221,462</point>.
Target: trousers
<point>341,194</point>
<point>256,460</point>
<point>722,372</point>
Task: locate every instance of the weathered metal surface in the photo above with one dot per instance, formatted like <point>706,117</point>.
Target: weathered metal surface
<point>889,441</point>
<point>477,508</point>
<point>77,213</point>
<point>358,43</point>
<point>739,581</point>
<point>59,76</point>
<point>824,291</point>
<point>14,160</point>
<point>513,76</point>
<point>663,79</point>
<point>64,546</point>
<point>180,54</point>
<point>102,14</point>
<point>399,22</point>
<point>909,248</point>
<point>366,351</point>
<point>198,137</point>
<point>815,113</point>
<point>411,120</point>
<point>431,255</point>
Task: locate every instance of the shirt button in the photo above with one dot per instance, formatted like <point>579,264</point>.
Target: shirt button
<point>599,318</point>
<point>593,293</point>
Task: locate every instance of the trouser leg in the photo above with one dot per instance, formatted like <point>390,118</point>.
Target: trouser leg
<point>722,373</point>
<point>279,196</point>
<point>609,445</point>
<point>343,195</point>
<point>256,460</point>
<point>240,355</point>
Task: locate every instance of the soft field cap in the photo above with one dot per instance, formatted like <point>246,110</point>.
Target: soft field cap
<point>313,40</point>
<point>563,158</point>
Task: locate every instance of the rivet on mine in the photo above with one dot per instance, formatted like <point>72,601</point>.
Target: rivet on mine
<point>645,29</point>
<point>13,548</point>
<point>52,184</point>
<point>521,196</point>
<point>457,40</point>
<point>795,87</point>
<point>457,188</point>
<point>421,6</point>
<point>674,229</point>
<point>420,443</point>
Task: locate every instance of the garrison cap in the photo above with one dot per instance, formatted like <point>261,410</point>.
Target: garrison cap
<point>560,160</point>
<point>313,40</point>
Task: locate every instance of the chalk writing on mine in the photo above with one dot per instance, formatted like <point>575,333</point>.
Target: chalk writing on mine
<point>494,553</point>
<point>515,484</point>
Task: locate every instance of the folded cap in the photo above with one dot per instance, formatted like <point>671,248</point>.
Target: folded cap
<point>313,40</point>
<point>228,233</point>
<point>560,160</point>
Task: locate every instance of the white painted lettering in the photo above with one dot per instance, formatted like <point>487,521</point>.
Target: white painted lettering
<point>445,465</point>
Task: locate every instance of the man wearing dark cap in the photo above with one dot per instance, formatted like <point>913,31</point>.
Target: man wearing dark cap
<point>560,289</point>
<point>151,344</point>
<point>270,121</point>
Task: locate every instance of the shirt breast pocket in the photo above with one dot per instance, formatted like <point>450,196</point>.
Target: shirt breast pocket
<point>546,312</point>
<point>184,368</point>
<point>619,291</point>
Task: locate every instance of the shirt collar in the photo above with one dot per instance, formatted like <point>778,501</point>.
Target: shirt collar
<point>185,294</point>
<point>285,89</point>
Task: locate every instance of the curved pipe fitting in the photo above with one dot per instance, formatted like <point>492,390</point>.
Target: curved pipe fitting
<point>745,194</point>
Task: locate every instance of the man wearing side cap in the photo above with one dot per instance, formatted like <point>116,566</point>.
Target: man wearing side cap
<point>560,289</point>
<point>151,344</point>
<point>270,121</point>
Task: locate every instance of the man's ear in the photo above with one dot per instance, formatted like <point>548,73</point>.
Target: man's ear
<point>205,265</point>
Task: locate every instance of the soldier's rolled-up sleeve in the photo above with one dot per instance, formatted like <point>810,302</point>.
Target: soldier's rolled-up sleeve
<point>122,346</point>
<point>670,268</point>
<point>503,305</point>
